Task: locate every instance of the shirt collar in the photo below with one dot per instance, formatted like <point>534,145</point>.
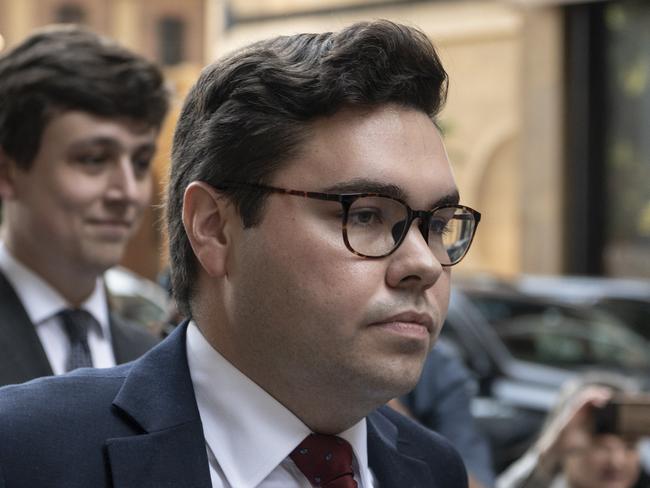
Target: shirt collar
<point>41,301</point>
<point>240,418</point>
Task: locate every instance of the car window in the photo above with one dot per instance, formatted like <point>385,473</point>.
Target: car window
<point>555,339</point>
<point>496,309</point>
<point>636,313</point>
<point>563,336</point>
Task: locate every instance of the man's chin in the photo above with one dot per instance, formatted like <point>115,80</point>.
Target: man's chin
<point>399,381</point>
<point>108,257</point>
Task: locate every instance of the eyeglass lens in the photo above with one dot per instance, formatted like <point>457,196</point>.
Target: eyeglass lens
<point>376,225</point>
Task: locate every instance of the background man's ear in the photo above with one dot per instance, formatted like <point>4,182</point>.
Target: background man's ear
<point>7,170</point>
<point>206,214</point>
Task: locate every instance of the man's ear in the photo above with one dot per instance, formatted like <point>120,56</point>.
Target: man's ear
<point>206,214</point>
<point>7,175</point>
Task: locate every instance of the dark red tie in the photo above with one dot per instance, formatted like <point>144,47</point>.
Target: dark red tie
<point>326,461</point>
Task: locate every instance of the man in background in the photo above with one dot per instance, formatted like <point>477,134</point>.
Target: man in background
<point>79,116</point>
<point>442,401</point>
<point>313,221</point>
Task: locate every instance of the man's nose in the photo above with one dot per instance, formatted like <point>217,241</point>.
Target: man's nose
<point>124,182</point>
<point>413,263</point>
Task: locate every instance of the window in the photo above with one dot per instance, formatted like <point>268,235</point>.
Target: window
<point>627,125</point>
<point>171,40</point>
<point>608,149</point>
<point>70,13</point>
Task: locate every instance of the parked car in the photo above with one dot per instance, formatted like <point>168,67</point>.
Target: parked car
<point>523,348</point>
<point>626,298</point>
<point>138,299</point>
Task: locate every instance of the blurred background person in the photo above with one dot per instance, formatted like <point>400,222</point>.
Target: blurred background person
<point>79,116</point>
<point>441,401</point>
<point>575,449</point>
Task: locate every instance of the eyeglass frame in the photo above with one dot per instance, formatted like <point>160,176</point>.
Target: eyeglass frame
<point>347,199</point>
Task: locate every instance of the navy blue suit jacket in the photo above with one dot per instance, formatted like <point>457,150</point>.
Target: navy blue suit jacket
<point>137,426</point>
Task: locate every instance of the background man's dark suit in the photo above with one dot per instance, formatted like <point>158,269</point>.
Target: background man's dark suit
<point>139,428</point>
<point>22,357</point>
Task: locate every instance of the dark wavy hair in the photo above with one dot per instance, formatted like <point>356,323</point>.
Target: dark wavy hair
<point>249,113</point>
<point>67,67</point>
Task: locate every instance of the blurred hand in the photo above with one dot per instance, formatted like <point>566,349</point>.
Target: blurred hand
<point>571,429</point>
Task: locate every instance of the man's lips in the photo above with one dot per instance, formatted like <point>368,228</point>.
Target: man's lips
<point>407,319</point>
<point>111,222</point>
<point>111,229</point>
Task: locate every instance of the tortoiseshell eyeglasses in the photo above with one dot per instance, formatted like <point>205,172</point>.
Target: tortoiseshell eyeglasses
<point>375,225</point>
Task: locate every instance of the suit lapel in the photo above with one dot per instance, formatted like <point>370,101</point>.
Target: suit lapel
<point>394,462</point>
<point>158,397</point>
<point>22,357</point>
<point>173,457</point>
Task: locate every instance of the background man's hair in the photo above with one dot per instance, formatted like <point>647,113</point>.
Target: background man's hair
<point>249,113</point>
<point>67,67</point>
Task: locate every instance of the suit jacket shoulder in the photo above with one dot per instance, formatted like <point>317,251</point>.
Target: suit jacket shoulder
<point>46,412</point>
<point>133,426</point>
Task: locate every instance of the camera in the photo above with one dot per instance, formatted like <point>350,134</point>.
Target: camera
<point>625,415</point>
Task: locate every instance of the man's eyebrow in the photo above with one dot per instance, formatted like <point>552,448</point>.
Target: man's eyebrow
<point>362,185</point>
<point>452,198</point>
<point>94,141</point>
<point>110,143</point>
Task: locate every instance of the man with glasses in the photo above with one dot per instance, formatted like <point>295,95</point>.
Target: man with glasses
<point>313,221</point>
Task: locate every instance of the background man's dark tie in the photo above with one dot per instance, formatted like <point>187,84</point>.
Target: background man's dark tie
<point>76,324</point>
<point>326,461</point>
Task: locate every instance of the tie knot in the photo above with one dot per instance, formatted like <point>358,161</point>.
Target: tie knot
<point>76,323</point>
<point>326,460</point>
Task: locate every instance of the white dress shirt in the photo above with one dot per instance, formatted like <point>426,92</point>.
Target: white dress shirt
<point>42,303</point>
<point>249,435</point>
